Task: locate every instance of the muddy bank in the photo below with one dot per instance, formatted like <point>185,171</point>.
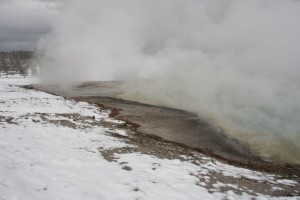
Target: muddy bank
<point>177,126</point>
<point>211,174</point>
<point>170,124</point>
<point>187,131</point>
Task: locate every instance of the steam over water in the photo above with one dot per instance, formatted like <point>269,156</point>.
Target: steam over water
<point>234,63</point>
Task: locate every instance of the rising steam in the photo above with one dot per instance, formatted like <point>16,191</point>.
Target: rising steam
<point>234,63</point>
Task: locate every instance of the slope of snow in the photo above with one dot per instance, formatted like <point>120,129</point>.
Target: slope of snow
<point>42,159</point>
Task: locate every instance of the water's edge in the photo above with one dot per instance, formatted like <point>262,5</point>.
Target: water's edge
<point>177,126</point>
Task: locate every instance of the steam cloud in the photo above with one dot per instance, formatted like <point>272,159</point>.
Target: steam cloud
<point>235,63</point>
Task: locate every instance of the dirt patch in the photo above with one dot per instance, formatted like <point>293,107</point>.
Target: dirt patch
<point>127,168</point>
<point>110,154</point>
<point>220,183</point>
<point>65,123</point>
<point>71,120</point>
<point>8,120</point>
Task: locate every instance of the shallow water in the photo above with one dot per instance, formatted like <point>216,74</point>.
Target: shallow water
<point>269,147</point>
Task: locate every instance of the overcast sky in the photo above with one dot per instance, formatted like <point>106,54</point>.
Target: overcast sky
<point>23,22</point>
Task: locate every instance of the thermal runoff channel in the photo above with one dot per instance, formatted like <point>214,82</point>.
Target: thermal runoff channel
<point>233,63</point>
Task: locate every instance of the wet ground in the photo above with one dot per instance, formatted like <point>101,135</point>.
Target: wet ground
<point>211,177</point>
<point>179,127</point>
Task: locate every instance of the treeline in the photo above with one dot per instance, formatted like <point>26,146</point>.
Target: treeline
<point>17,62</point>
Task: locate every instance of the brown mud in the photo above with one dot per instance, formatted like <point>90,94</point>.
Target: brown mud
<point>177,127</point>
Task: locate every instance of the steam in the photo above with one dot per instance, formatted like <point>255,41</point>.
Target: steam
<point>234,63</point>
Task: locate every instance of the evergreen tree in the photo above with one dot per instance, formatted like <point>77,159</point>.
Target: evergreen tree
<point>16,62</point>
<point>6,66</point>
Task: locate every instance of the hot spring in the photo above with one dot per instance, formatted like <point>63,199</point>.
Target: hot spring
<point>233,63</point>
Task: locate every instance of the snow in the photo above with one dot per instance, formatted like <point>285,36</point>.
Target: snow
<point>42,159</point>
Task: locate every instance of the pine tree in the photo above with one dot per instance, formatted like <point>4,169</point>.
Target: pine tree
<point>6,66</point>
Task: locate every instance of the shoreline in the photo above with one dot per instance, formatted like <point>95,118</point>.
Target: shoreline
<point>138,119</point>
<point>252,162</point>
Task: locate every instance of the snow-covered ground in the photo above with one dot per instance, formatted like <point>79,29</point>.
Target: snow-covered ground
<point>50,149</point>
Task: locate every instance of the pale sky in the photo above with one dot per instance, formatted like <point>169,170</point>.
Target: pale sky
<point>23,22</point>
